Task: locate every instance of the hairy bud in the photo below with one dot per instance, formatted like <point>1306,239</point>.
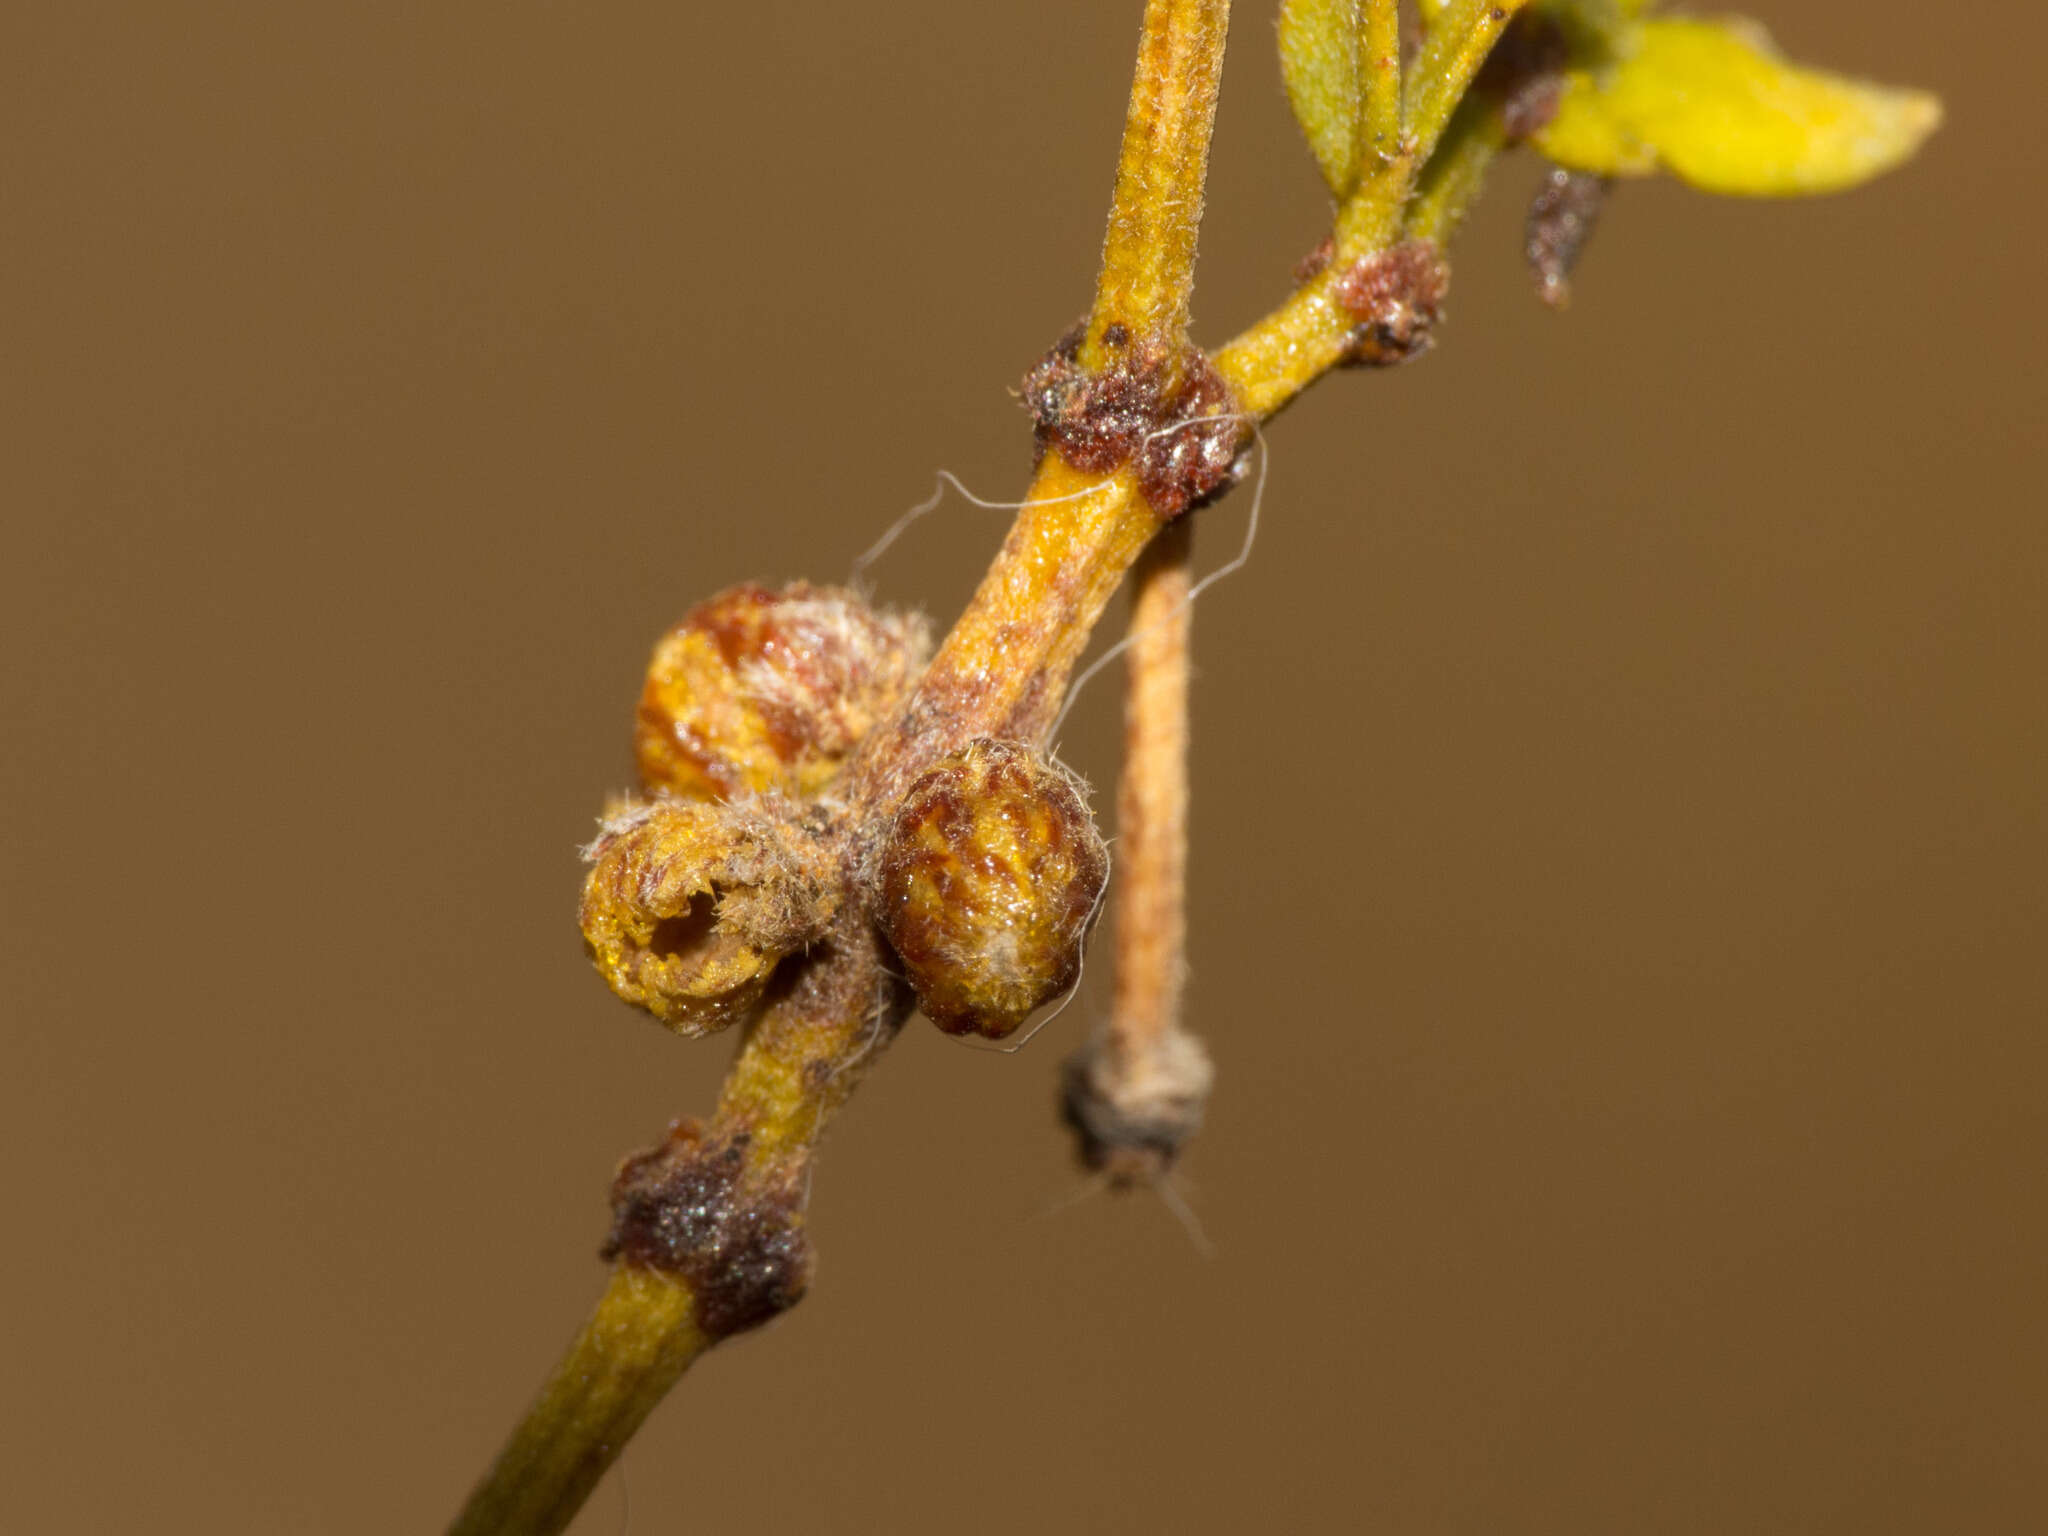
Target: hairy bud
<point>689,905</point>
<point>984,884</point>
<point>760,690</point>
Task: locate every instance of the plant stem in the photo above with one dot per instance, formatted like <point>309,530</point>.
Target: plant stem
<point>638,1342</point>
<point>1152,801</point>
<point>1453,48</point>
<point>1148,250</point>
<point>799,1062</point>
<point>1136,1091</point>
<point>1379,83</point>
<point>1003,668</point>
<point>803,1058</point>
<point>1269,364</point>
<point>1002,671</point>
<point>1452,52</point>
<point>1450,185</point>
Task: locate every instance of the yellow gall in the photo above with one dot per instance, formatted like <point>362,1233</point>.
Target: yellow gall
<point>984,884</point>
<point>689,905</point>
<point>760,690</point>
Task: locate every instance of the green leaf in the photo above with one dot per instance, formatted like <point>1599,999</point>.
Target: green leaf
<point>1319,62</point>
<point>1715,104</point>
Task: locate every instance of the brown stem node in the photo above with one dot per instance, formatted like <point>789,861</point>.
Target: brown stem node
<point>1197,452</point>
<point>1395,299</point>
<point>1161,404</point>
<point>689,1208</point>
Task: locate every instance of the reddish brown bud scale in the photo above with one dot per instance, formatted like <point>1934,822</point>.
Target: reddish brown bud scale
<point>1396,296</point>
<point>761,690</point>
<point>984,884</point>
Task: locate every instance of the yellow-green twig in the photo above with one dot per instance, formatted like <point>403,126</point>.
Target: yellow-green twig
<point>1455,46</point>
<point>1148,251</point>
<point>638,1342</point>
<point>1379,82</point>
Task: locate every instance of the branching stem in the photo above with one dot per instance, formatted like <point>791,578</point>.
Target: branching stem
<point>1002,671</point>
<point>1453,49</point>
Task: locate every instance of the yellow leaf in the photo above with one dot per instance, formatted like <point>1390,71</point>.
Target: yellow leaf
<point>1319,62</point>
<point>1716,105</point>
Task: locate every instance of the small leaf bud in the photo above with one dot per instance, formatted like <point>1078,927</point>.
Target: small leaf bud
<point>1396,298</point>
<point>760,690</point>
<point>984,884</point>
<point>689,905</point>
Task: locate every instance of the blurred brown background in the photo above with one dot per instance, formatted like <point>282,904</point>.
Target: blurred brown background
<point>1620,796</point>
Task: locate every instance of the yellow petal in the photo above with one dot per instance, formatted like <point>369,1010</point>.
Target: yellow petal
<point>1715,104</point>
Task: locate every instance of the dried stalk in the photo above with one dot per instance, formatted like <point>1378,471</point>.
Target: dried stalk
<point>1135,1093</point>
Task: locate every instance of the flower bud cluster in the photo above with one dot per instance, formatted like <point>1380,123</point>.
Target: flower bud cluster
<point>983,876</point>
<point>752,704</point>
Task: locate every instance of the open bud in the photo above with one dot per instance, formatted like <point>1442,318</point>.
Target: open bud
<point>689,905</point>
<point>985,882</point>
<point>760,690</point>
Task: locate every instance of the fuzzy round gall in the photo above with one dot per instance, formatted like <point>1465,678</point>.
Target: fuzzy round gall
<point>984,885</point>
<point>761,689</point>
